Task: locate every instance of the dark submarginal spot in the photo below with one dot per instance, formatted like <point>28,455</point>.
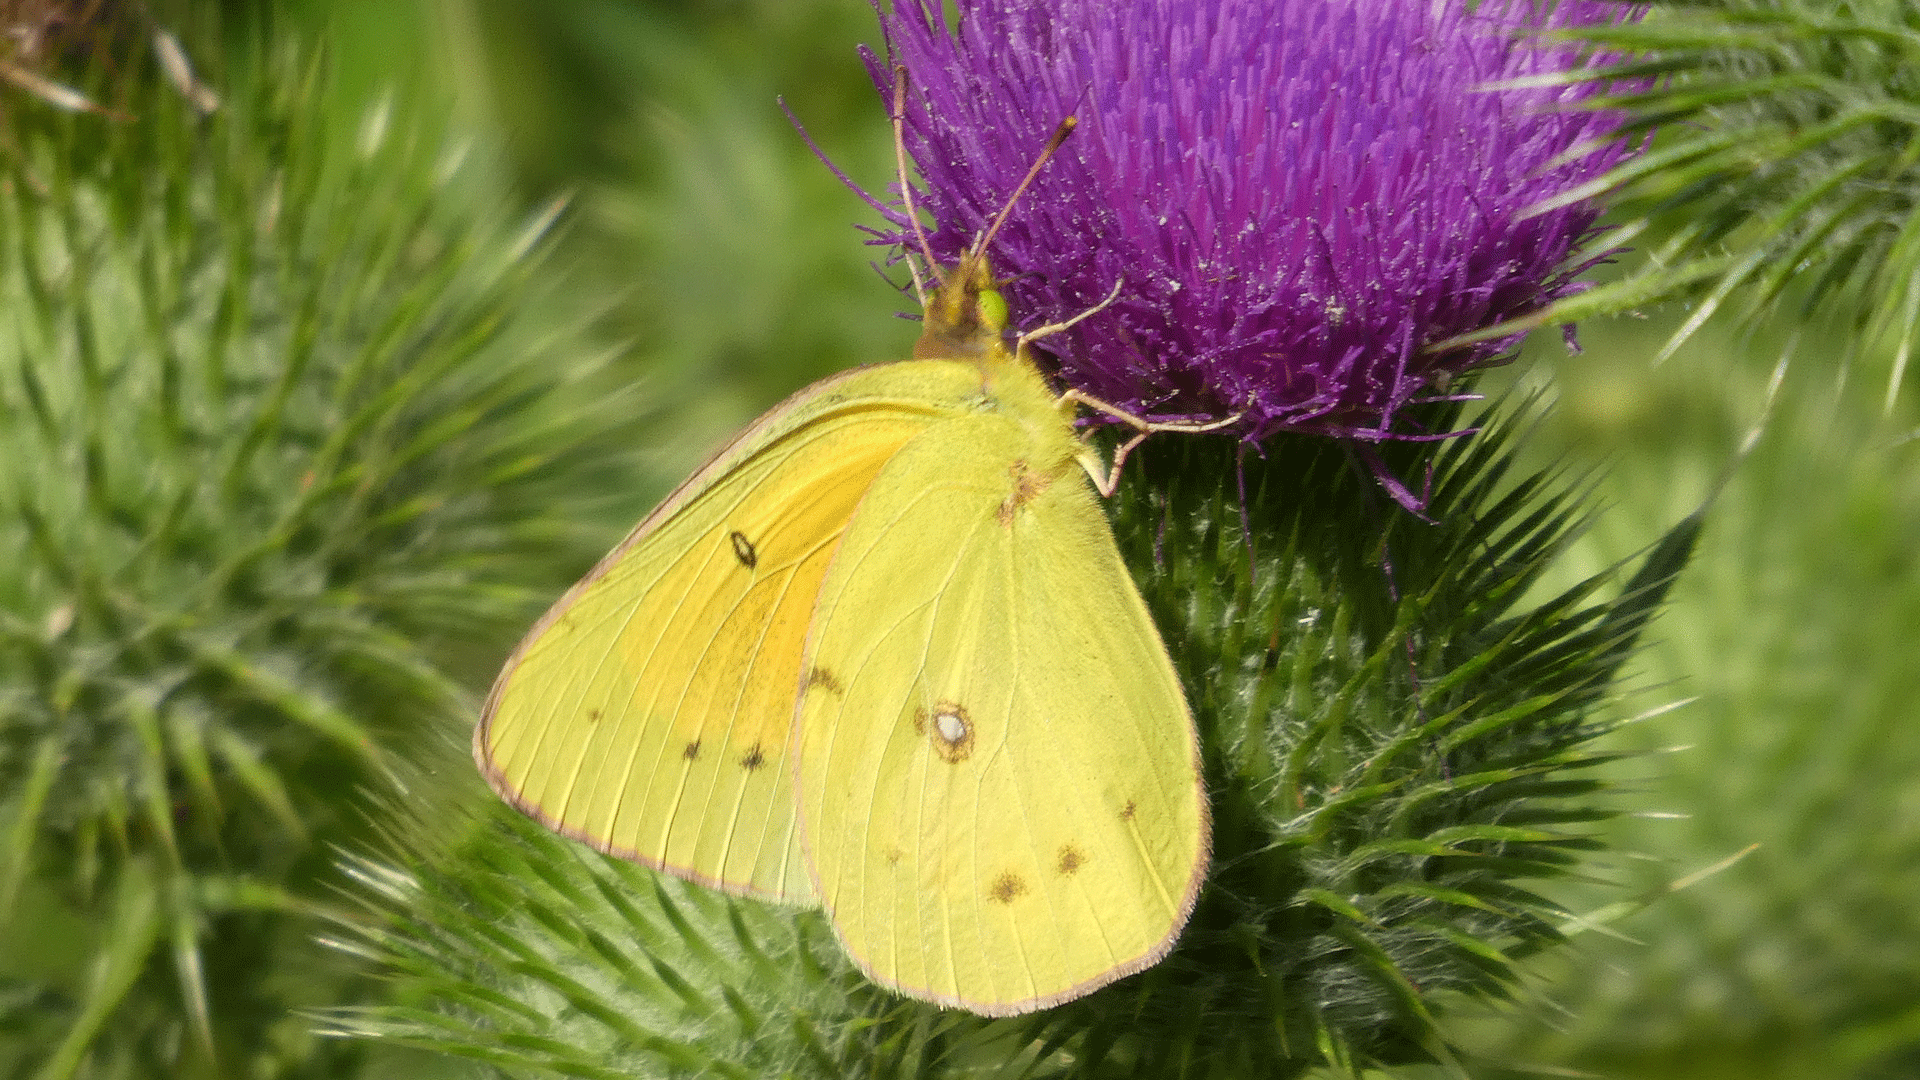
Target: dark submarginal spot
<point>1006,887</point>
<point>1071,858</point>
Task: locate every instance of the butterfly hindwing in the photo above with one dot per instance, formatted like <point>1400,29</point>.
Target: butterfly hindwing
<point>648,714</point>
<point>999,785</point>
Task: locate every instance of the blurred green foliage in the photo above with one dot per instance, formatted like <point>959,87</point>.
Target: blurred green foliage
<point>274,471</point>
<point>727,247</point>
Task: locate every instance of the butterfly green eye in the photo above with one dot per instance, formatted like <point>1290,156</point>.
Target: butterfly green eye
<point>993,309</point>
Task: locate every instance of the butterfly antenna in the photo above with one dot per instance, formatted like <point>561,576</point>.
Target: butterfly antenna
<point>1046,154</point>
<point>906,188</point>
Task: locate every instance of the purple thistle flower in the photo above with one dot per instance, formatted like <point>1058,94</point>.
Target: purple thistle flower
<point>1297,196</point>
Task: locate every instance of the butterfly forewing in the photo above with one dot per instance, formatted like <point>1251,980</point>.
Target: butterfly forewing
<point>649,712</point>
<point>999,785</point>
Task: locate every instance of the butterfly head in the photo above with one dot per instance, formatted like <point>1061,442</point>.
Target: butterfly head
<point>966,316</point>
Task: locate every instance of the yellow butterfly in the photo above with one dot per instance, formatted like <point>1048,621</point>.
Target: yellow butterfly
<point>881,654</point>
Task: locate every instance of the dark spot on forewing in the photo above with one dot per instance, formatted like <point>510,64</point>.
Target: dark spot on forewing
<point>1006,888</point>
<point>743,549</point>
<point>1127,811</point>
<point>593,716</point>
<point>692,751</point>
<point>1071,859</point>
<point>825,680</point>
<point>753,759</point>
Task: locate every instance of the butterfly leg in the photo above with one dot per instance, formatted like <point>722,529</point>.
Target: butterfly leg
<point>1054,328</point>
<point>1106,479</point>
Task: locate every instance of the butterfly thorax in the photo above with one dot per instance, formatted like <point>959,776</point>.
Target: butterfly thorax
<point>966,320</point>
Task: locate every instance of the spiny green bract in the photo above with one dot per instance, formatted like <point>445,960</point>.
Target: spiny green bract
<point>1792,635</point>
<point>266,436</point>
<point>1782,176</point>
<point>1395,738</point>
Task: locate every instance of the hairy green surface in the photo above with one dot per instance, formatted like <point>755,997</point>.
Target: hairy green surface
<point>1390,778</point>
<point>271,465</point>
